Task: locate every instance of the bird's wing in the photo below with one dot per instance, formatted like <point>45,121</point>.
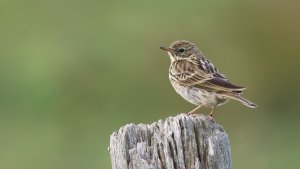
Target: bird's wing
<point>188,73</point>
<point>220,85</point>
<point>218,82</point>
<point>204,75</point>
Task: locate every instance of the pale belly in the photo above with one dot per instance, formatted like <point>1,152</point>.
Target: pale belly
<point>198,96</point>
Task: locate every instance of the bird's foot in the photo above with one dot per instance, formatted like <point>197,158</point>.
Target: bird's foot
<point>193,114</point>
<point>210,116</point>
<point>211,113</point>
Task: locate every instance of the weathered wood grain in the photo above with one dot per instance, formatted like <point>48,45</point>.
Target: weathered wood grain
<point>181,142</point>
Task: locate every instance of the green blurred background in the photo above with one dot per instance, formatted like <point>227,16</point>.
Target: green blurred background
<point>72,72</point>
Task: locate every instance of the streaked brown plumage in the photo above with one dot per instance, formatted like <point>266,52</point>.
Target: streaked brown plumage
<point>197,80</point>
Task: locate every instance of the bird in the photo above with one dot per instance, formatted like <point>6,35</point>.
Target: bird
<point>198,81</point>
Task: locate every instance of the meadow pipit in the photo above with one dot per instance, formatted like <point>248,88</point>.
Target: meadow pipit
<point>197,80</point>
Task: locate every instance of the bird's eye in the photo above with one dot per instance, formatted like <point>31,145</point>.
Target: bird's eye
<point>181,50</point>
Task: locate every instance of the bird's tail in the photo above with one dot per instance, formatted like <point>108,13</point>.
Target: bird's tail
<point>237,97</point>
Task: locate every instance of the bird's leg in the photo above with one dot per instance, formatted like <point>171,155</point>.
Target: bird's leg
<point>212,111</point>
<point>194,110</point>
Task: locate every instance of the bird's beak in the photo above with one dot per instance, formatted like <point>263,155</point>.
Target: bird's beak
<point>166,49</point>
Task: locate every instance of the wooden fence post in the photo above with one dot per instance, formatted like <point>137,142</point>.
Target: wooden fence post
<point>180,142</point>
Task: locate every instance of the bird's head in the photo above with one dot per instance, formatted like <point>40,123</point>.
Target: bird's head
<point>181,49</point>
